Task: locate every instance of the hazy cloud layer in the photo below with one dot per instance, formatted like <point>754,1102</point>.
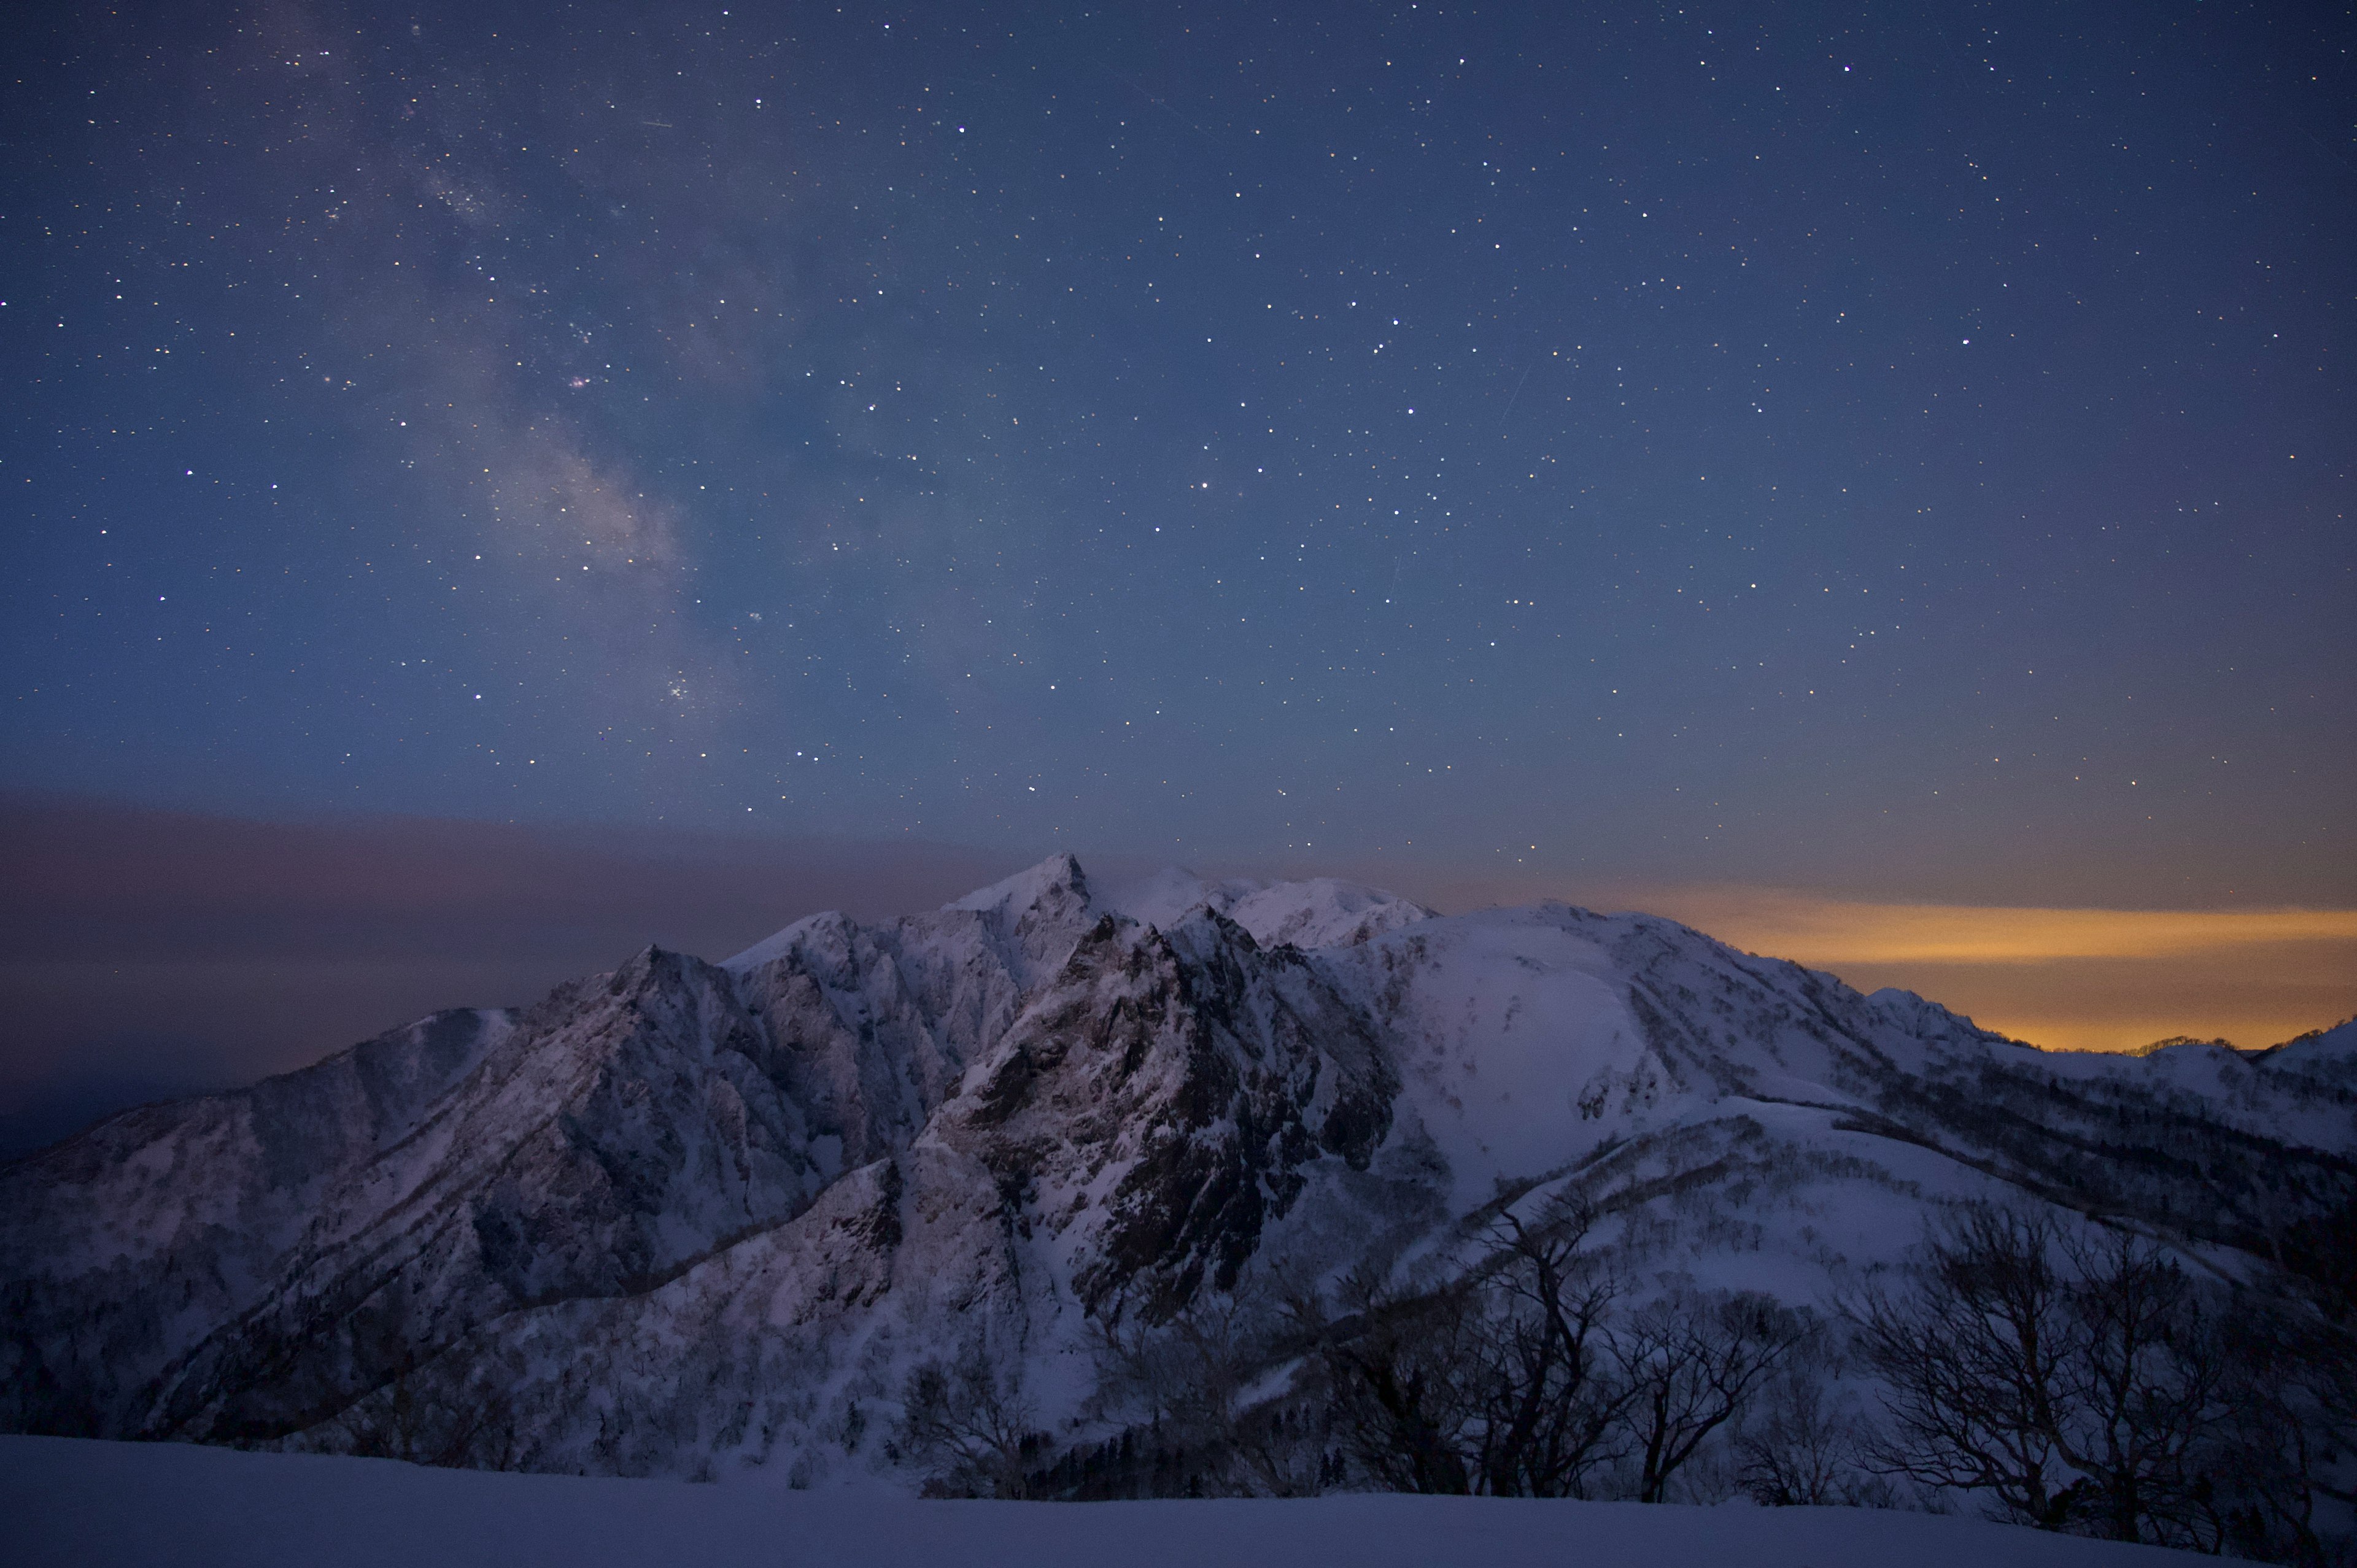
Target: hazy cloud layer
<point>152,953</point>
<point>2067,978</point>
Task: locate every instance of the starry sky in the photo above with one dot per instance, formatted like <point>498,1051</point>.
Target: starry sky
<point>1900,452</point>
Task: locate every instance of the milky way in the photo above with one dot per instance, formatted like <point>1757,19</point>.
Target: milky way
<point>1739,442</point>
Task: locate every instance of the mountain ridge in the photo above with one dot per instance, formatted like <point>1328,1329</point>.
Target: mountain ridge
<point>685,1217</point>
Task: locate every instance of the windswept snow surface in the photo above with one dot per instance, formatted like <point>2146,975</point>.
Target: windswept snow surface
<point>82,1504</point>
<point>701,1220</point>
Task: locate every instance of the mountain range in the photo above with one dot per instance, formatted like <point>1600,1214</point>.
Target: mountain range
<point>690,1219</point>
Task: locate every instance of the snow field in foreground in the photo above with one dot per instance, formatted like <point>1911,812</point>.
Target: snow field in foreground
<point>97,1504</point>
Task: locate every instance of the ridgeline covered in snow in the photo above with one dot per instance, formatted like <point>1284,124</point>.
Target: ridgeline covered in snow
<point>1180,1188</point>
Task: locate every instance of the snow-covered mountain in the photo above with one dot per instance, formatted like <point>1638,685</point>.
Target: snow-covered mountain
<point>687,1218</point>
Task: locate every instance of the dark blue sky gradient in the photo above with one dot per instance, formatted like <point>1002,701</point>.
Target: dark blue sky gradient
<point>1899,448</point>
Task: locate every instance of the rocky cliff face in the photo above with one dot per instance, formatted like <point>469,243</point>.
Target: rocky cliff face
<point>686,1217</point>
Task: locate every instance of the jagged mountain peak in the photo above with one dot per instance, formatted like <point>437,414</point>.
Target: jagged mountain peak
<point>825,922</point>
<point>1318,912</point>
<point>1056,881</point>
<point>1055,901</point>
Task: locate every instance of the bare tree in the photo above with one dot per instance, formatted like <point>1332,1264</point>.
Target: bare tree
<point>1403,1371</point>
<point>1971,1360</point>
<point>1194,1376</point>
<point>1692,1362</point>
<point>1502,1383</point>
<point>1550,1403</point>
<point>1805,1444</point>
<point>975,1428</point>
<point>2139,1406</point>
<point>2291,1394</point>
<point>2089,1383</point>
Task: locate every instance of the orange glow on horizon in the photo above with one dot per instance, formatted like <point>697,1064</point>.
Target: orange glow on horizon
<point>1815,931</point>
<point>2070,979</point>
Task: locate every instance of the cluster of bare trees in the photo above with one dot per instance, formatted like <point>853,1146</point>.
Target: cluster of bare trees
<point>2086,1381</point>
<point>969,1424</point>
<point>2071,1377</point>
<point>1530,1377</point>
<point>1199,1379</point>
<point>469,1427</point>
<point>1537,1373</point>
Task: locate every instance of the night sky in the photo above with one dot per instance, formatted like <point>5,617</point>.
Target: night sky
<point>1903,451</point>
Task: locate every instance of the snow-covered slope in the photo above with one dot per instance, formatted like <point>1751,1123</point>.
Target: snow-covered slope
<point>691,1220</point>
<point>123,1244</point>
<point>111,1505</point>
